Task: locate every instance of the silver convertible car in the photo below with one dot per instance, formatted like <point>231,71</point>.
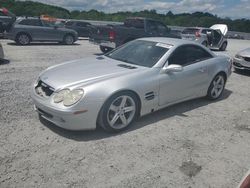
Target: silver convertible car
<point>133,80</point>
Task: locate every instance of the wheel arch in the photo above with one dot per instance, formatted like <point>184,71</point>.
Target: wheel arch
<point>71,34</point>
<point>117,92</point>
<point>220,72</point>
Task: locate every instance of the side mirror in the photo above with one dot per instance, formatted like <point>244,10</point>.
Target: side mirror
<point>173,68</point>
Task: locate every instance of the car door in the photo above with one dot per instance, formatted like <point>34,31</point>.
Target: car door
<point>50,31</point>
<point>82,29</point>
<point>220,31</point>
<point>189,83</point>
<point>33,27</point>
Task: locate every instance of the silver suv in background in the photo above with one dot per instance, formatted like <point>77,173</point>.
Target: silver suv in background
<point>29,29</point>
<point>213,37</point>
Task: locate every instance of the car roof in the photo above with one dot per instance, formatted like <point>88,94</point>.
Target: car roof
<point>77,21</point>
<point>170,41</point>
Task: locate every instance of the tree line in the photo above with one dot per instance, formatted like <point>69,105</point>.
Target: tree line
<point>30,8</point>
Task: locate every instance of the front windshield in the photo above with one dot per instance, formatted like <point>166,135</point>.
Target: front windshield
<point>139,52</point>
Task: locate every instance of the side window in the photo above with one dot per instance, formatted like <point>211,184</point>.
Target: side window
<point>195,54</point>
<point>178,57</point>
<point>152,26</point>
<point>136,23</point>
<point>161,28</point>
<point>81,24</point>
<point>48,23</point>
<point>31,22</point>
<point>189,54</point>
<point>69,23</point>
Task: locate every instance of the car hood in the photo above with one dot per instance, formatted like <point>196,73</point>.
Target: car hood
<point>86,71</point>
<point>245,52</point>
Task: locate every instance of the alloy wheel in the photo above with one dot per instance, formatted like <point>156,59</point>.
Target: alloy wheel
<point>69,39</point>
<point>218,86</point>
<point>121,112</point>
<point>23,39</point>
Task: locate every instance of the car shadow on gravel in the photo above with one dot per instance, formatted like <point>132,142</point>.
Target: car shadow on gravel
<point>4,61</point>
<point>242,72</point>
<point>175,110</point>
<point>43,44</point>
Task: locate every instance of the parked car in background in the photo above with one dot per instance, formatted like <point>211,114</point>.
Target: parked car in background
<point>138,78</point>
<point>111,36</point>
<point>241,60</point>
<point>213,37</point>
<point>81,27</point>
<point>245,182</point>
<point>29,29</point>
<point>7,18</point>
<point>1,53</point>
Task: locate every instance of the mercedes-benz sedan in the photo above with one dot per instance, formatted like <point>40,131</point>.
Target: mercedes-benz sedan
<point>241,60</point>
<point>133,80</point>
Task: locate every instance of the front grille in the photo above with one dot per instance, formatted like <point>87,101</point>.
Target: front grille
<point>247,59</point>
<point>43,89</point>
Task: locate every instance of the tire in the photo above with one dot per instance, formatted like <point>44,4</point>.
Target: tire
<point>68,39</point>
<point>105,49</point>
<point>119,112</point>
<point>204,43</point>
<point>223,47</point>
<point>23,39</point>
<point>216,87</point>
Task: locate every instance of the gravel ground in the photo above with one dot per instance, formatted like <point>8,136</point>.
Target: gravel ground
<point>198,143</point>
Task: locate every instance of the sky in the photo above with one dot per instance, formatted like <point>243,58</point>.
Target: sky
<point>224,8</point>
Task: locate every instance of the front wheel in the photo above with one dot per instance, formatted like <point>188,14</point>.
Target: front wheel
<point>68,39</point>
<point>119,112</point>
<point>23,39</point>
<point>216,87</point>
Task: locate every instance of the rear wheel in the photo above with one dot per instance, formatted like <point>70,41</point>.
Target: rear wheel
<point>119,112</point>
<point>68,39</point>
<point>223,47</point>
<point>105,49</point>
<point>216,87</point>
<point>23,39</point>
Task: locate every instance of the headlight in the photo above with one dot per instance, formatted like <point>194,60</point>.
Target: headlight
<point>58,97</point>
<point>68,97</point>
<point>73,97</point>
<point>238,56</point>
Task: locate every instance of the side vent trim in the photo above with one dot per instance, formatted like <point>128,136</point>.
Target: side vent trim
<point>149,96</point>
<point>126,66</point>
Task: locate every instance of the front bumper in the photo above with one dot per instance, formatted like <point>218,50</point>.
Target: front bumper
<point>103,43</point>
<point>241,64</point>
<point>66,118</point>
